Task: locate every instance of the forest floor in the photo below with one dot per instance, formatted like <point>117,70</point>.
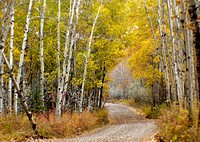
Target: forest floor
<point>126,125</point>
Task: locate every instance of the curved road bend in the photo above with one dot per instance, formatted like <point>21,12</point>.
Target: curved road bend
<point>126,126</point>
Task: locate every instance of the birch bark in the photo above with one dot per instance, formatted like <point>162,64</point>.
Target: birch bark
<point>71,44</point>
<point>188,45</point>
<point>179,61</point>
<point>163,34</point>
<point>11,54</point>
<point>2,86</point>
<point>4,31</point>
<point>193,12</point>
<point>58,58</point>
<point>1,102</point>
<point>87,58</point>
<point>166,51</point>
<point>174,60</point>
<point>42,79</point>
<point>73,39</point>
<point>67,41</point>
<point>151,25</point>
<point>24,44</point>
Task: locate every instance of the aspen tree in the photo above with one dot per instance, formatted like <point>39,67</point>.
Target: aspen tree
<point>4,31</point>
<point>24,44</point>
<point>184,22</point>
<point>1,102</point>
<point>42,79</point>
<point>58,52</point>
<point>166,51</point>
<point>174,60</point>
<point>11,75</point>
<point>193,12</point>
<point>1,85</point>
<point>151,25</point>
<point>163,36</point>
<point>1,82</point>
<point>179,61</point>
<point>11,54</point>
<point>72,47</point>
<point>5,28</point>
<point>193,73</point>
<point>189,64</point>
<point>188,69</point>
<point>87,59</point>
<point>67,42</point>
<point>73,36</point>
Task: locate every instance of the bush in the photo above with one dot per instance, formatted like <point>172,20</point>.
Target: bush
<point>14,127</point>
<point>174,126</point>
<point>18,128</point>
<point>102,116</point>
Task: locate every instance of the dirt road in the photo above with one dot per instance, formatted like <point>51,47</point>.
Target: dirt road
<point>126,126</point>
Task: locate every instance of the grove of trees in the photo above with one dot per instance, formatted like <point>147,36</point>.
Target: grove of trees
<point>60,55</point>
<point>55,55</point>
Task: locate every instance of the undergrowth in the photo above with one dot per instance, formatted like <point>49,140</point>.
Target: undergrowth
<point>18,128</point>
<point>174,126</point>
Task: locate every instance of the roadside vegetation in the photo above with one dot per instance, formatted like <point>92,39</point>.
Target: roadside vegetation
<point>69,56</point>
<point>17,128</point>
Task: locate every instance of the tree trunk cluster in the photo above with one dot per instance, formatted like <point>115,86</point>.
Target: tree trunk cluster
<point>178,44</point>
<point>68,96</point>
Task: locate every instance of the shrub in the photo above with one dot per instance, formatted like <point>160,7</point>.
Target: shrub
<point>174,126</point>
<point>14,127</point>
<point>18,128</point>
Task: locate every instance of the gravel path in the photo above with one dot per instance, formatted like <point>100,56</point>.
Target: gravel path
<point>126,126</point>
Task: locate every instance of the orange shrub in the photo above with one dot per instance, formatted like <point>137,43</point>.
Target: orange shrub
<point>174,126</point>
<point>18,127</point>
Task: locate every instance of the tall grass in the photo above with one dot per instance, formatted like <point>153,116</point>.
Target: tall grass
<point>18,127</point>
<point>174,126</point>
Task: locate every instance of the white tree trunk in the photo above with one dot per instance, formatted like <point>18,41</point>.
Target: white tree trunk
<point>87,59</point>
<point>2,86</point>
<point>179,62</point>
<point>58,60</point>
<point>188,68</point>
<point>162,34</point>
<point>188,54</point>
<point>11,55</point>
<point>1,102</point>
<point>174,61</point>
<point>72,42</point>
<point>42,80</point>
<point>61,92</point>
<point>166,53</point>
<point>24,44</point>
<point>5,30</point>
<point>151,25</point>
<point>61,88</point>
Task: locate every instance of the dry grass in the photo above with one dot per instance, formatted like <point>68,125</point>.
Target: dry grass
<point>174,126</point>
<point>18,128</point>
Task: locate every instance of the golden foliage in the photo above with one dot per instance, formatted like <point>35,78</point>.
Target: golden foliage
<point>174,126</point>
